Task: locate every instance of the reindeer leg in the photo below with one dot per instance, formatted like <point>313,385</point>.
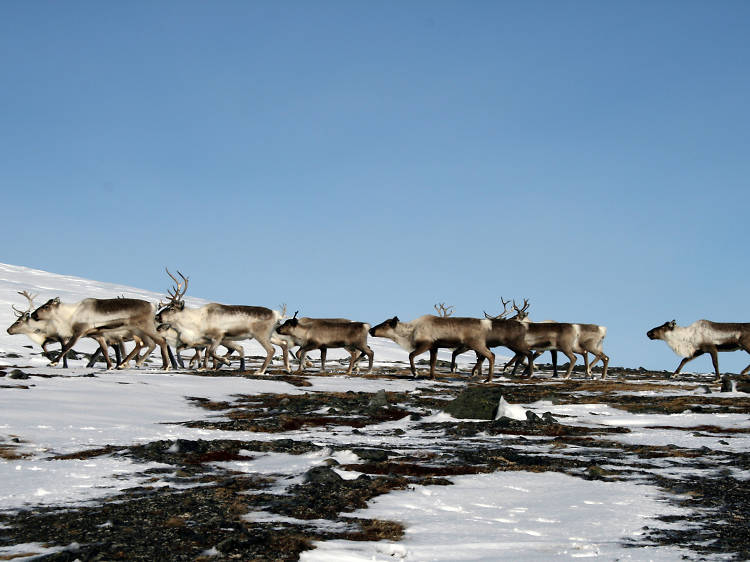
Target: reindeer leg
<point>135,353</point>
<point>173,360</point>
<point>456,352</point>
<point>323,353</point>
<point>370,357</point>
<point>285,355</point>
<point>94,357</point>
<point>418,350</point>
<point>301,355</point>
<point>486,352</point>
<point>605,362</point>
<point>119,352</point>
<point>530,366</point>
<point>103,347</point>
<point>65,357</point>
<point>354,355</point>
<point>433,360</point>
<point>553,353</point>
<point>571,363</point>
<point>476,370</point>
<point>715,361</point>
<point>65,348</point>
<point>150,346</point>
<point>685,360</point>
<point>196,357</point>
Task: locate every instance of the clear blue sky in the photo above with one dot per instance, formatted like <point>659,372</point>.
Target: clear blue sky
<point>366,159</point>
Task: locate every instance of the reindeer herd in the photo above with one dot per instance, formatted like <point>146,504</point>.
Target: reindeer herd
<point>114,322</point>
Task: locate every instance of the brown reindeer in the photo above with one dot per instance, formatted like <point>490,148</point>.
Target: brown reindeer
<point>535,337</point>
<point>325,333</point>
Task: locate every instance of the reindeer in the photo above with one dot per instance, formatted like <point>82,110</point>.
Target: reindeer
<point>325,333</point>
<point>430,332</point>
<point>702,337</point>
<point>535,337</point>
<point>218,324</point>
<point>286,342</point>
<point>39,332</point>
<point>96,318</point>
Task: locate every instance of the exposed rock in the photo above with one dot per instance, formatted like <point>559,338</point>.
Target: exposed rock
<point>475,402</point>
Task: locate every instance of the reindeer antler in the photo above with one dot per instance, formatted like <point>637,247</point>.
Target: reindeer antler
<point>30,298</point>
<point>521,311</point>
<point>283,310</point>
<point>503,314</point>
<point>179,291</point>
<point>444,311</point>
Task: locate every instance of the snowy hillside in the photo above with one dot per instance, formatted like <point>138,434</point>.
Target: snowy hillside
<point>45,285</point>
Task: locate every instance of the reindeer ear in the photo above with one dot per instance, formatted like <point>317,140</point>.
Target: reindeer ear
<point>393,321</point>
<point>673,323</point>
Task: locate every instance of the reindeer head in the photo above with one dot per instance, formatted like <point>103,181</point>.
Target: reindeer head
<point>22,316</point>
<point>46,311</point>
<point>385,329</point>
<point>521,313</point>
<point>176,303</point>
<point>289,325</point>
<point>659,332</point>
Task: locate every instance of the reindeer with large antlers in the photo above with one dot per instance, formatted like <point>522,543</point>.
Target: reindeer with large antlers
<point>548,336</point>
<point>218,324</point>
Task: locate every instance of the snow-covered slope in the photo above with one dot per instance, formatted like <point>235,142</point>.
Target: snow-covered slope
<point>482,517</point>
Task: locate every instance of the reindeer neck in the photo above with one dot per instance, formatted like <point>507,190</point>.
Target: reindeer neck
<point>681,340</point>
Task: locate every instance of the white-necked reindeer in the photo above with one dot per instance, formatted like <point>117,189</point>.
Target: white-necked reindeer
<point>702,337</point>
<point>429,333</point>
<point>216,324</point>
<point>38,331</point>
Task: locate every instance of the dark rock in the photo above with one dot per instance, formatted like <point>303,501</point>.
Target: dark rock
<point>532,418</point>
<point>475,402</point>
<point>375,455</point>
<point>547,417</point>
<point>380,400</point>
<point>18,374</point>
<point>322,475</point>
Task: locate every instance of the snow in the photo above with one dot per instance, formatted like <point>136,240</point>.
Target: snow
<point>513,411</point>
<point>500,516</point>
<point>509,516</point>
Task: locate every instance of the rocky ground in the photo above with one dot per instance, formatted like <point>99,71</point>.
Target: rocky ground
<point>196,509</point>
